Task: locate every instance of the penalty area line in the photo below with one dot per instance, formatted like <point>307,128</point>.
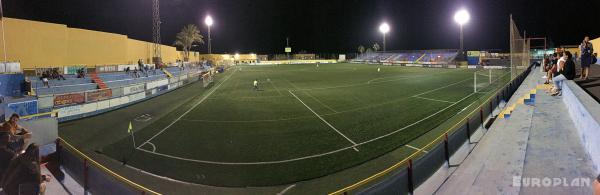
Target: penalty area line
<point>434,99</point>
<point>188,111</point>
<point>324,121</point>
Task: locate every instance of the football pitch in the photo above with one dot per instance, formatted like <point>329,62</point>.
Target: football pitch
<point>303,122</point>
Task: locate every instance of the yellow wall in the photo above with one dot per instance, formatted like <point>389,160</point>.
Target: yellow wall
<point>596,43</point>
<point>138,50</point>
<point>41,44</point>
<point>24,42</point>
<point>97,48</point>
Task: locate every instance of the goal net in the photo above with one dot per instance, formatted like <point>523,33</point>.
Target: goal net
<point>489,79</point>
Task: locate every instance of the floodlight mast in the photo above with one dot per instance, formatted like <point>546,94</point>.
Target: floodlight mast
<point>462,17</point>
<point>384,28</point>
<point>156,58</point>
<point>209,22</point>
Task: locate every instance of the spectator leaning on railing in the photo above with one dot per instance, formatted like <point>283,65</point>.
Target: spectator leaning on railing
<point>19,136</point>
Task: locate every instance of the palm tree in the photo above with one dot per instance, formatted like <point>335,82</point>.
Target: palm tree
<point>376,47</point>
<point>361,49</point>
<point>189,35</point>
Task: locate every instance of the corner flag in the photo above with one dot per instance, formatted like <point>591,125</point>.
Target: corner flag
<point>130,129</point>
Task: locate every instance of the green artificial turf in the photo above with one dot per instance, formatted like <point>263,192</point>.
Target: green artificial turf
<point>237,136</point>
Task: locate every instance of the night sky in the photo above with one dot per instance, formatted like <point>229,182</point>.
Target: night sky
<point>325,26</point>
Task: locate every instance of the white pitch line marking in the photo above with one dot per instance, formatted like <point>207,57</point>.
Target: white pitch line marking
<point>433,99</point>
<point>426,92</point>
<point>322,119</point>
<point>304,157</point>
<point>308,94</point>
<point>418,149</point>
<point>286,189</point>
<point>188,111</point>
<point>153,146</point>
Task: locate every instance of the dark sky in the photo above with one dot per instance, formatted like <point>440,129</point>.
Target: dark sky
<point>323,26</point>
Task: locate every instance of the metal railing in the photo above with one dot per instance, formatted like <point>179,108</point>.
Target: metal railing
<point>407,179</point>
<point>86,170</point>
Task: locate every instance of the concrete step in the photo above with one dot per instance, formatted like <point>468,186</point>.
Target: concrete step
<point>498,157</point>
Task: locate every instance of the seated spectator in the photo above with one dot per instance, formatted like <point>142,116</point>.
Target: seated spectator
<point>6,154</point>
<point>81,73</point>
<point>23,175</point>
<point>566,71</point>
<point>57,75</point>
<point>553,65</point>
<point>135,73</point>
<point>46,82</point>
<point>19,136</point>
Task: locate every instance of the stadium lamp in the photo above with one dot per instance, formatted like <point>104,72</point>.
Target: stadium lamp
<point>209,22</point>
<point>462,17</point>
<point>384,28</point>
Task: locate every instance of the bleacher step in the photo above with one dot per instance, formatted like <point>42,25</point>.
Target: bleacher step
<point>98,81</point>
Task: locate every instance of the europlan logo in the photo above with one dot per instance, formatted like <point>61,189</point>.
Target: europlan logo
<point>549,182</point>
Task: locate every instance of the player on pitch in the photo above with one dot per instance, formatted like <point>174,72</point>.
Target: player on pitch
<point>255,84</point>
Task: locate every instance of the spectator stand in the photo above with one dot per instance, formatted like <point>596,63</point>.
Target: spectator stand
<point>74,170</point>
<point>409,58</point>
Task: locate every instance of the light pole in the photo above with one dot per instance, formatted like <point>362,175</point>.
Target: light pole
<point>209,22</point>
<point>384,28</point>
<point>461,17</point>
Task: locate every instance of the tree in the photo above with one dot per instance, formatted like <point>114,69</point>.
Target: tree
<point>361,49</point>
<point>189,35</point>
<point>369,50</point>
<point>376,47</point>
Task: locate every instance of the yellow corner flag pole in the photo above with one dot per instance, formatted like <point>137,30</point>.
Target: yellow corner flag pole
<point>130,131</point>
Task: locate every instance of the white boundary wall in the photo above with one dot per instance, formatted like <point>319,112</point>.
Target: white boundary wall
<point>585,112</point>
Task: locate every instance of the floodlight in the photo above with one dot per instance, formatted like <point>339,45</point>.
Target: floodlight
<point>384,28</point>
<point>208,21</point>
<point>462,17</point>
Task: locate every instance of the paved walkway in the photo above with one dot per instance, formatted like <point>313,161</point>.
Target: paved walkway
<point>520,154</point>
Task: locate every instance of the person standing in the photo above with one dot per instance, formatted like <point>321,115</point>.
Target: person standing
<point>587,49</point>
<point>255,84</point>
